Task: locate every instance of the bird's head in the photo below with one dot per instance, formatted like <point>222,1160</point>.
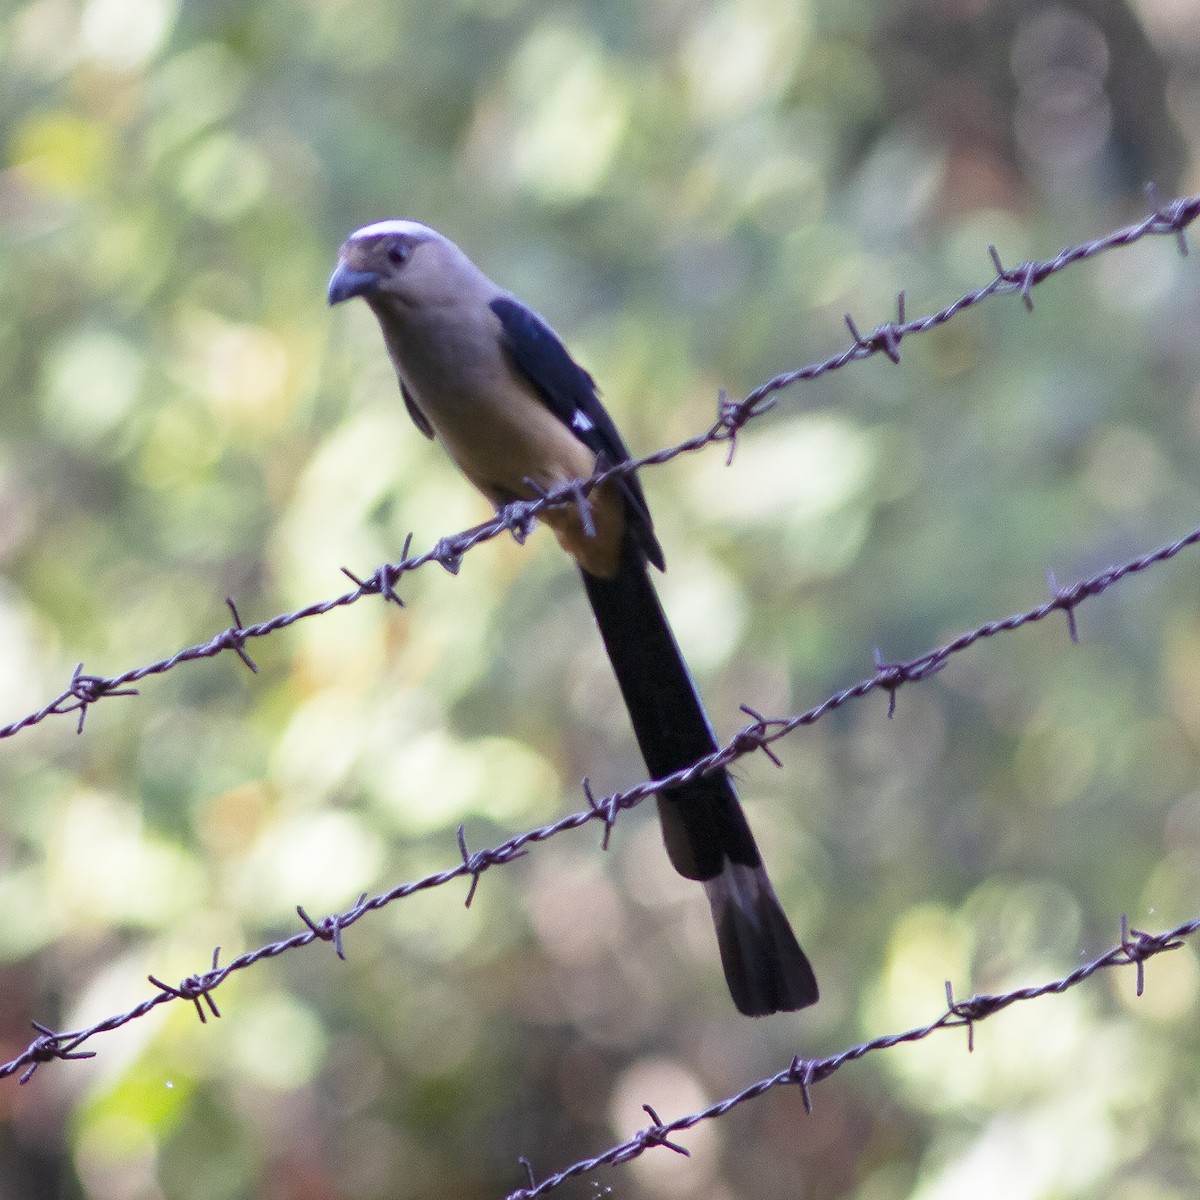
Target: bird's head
<point>397,263</point>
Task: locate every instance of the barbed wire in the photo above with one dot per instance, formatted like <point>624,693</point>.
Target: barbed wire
<point>759,734</point>
<point>86,689</point>
<point>1134,948</point>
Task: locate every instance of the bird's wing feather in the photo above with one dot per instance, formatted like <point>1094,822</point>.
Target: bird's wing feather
<point>420,420</point>
<point>569,392</point>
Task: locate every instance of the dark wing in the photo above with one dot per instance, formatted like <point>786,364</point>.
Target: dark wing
<point>420,420</point>
<point>569,392</point>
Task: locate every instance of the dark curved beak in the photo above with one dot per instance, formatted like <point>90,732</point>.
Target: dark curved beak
<point>346,283</point>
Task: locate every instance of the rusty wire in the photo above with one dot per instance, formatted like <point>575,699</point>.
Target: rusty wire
<point>85,689</point>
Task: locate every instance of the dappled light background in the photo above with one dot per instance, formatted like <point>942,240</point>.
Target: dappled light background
<point>694,194</point>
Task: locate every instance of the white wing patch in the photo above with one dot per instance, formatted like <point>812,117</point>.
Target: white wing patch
<point>582,422</point>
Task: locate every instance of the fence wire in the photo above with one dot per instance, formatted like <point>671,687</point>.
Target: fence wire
<point>86,689</point>
<point>1134,948</point>
<point>759,734</point>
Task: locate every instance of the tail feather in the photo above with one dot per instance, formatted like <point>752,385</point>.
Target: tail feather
<point>704,828</point>
<point>764,966</point>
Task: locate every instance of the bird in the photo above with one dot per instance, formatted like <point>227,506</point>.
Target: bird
<point>487,377</point>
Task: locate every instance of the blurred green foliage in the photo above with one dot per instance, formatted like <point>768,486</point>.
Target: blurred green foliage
<point>693,193</point>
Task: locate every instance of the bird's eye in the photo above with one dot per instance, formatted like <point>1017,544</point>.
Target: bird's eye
<point>397,253</point>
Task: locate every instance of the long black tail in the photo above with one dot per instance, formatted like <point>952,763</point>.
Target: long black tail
<point>704,827</point>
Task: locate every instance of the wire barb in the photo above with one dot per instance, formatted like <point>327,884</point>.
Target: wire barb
<point>382,581</point>
<point>1172,218</point>
<point>1137,946</point>
<point>1022,277</point>
<point>387,576</point>
<point>605,809</point>
<point>1067,599</point>
<point>883,338</point>
<point>527,1167</point>
<point>890,678</point>
<point>86,690</point>
<point>517,518</point>
<point>479,862</point>
<point>449,554</point>
<point>329,929</point>
<point>656,1135</point>
<point>802,1073</point>
<point>196,988</point>
<point>754,737</point>
<point>49,1046</point>
<point>730,418</point>
<point>966,1012</point>
<point>234,638</point>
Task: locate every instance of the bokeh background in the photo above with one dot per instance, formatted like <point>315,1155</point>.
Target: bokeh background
<point>693,193</point>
